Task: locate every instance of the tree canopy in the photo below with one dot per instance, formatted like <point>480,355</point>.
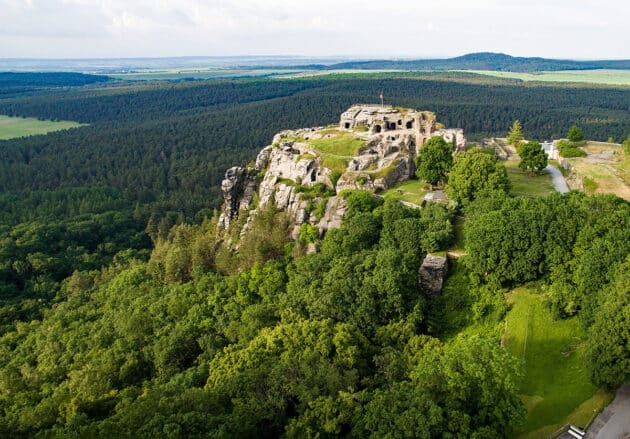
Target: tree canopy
<point>533,158</point>
<point>434,160</point>
<point>474,171</point>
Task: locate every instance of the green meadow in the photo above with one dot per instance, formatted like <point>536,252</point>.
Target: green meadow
<point>556,389</point>
<point>526,184</point>
<point>12,127</point>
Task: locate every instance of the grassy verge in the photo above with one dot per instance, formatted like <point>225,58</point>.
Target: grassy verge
<point>526,184</point>
<point>13,127</point>
<point>556,388</point>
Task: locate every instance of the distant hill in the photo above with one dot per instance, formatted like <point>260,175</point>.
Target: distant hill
<point>484,61</point>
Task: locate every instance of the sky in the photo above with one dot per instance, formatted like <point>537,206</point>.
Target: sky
<point>570,29</point>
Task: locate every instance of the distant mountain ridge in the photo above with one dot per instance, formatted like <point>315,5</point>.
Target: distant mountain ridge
<point>484,61</point>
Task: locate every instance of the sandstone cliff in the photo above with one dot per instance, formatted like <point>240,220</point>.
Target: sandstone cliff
<point>303,171</point>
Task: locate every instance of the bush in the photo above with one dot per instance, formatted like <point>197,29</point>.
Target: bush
<point>308,233</point>
<point>590,185</point>
<point>570,149</point>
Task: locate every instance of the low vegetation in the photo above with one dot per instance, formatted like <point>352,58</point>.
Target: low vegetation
<point>411,191</point>
<point>524,183</point>
<point>546,344</point>
<point>14,127</point>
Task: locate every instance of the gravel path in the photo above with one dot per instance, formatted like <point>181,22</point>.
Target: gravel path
<point>558,180</point>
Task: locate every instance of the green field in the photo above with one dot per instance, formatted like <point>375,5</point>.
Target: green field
<point>12,127</point>
<point>556,388</point>
<point>411,191</point>
<point>610,77</point>
<point>526,184</point>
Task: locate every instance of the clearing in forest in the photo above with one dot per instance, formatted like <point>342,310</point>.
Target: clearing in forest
<point>12,127</point>
<point>556,389</point>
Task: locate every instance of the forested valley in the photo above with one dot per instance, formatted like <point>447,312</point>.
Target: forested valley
<point>123,314</point>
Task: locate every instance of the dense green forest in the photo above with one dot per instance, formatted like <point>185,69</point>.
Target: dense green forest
<point>14,84</point>
<point>195,342</point>
<point>168,145</point>
<point>123,313</point>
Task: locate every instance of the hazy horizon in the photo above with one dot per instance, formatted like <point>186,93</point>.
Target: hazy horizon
<point>118,29</point>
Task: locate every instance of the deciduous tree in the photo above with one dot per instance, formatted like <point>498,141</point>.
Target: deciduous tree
<point>533,158</point>
<point>434,160</point>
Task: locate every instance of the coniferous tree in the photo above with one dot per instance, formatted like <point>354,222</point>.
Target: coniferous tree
<point>575,134</point>
<point>515,136</point>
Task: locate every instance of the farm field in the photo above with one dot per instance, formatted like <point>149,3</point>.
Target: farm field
<point>556,389</point>
<point>606,169</point>
<point>13,127</point>
<point>609,77</point>
<point>526,184</point>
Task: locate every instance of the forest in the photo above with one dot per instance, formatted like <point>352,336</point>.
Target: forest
<point>123,313</point>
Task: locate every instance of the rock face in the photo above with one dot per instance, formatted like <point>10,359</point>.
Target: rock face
<point>372,148</point>
<point>432,273</point>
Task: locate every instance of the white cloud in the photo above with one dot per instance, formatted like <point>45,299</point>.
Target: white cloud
<point>369,28</point>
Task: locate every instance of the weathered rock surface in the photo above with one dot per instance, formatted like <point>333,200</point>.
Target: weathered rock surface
<point>432,273</point>
<point>376,148</point>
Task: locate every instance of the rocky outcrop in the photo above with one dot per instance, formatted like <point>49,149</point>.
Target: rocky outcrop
<point>238,189</point>
<point>373,149</point>
<point>431,274</point>
<point>335,210</point>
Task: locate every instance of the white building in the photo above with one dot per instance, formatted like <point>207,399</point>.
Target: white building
<point>550,149</point>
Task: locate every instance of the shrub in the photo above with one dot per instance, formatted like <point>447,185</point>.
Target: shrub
<point>575,134</point>
<point>590,185</point>
<point>569,149</point>
<point>308,233</point>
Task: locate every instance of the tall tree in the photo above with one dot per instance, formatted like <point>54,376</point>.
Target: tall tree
<point>434,160</point>
<point>533,158</point>
<point>609,337</point>
<point>515,136</point>
<point>474,171</point>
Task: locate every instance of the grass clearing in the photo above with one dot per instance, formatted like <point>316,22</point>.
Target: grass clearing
<point>609,77</point>
<point>526,184</point>
<point>606,169</point>
<point>337,143</point>
<point>411,191</point>
<point>556,388</point>
<point>14,127</point>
